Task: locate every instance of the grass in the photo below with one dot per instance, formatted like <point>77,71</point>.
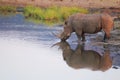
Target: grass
<point>51,13</point>
<point>7,9</point>
<point>46,22</point>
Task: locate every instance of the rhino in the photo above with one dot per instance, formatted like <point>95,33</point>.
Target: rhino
<point>87,23</point>
<point>80,58</point>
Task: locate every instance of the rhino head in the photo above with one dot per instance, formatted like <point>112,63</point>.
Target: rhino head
<point>63,36</point>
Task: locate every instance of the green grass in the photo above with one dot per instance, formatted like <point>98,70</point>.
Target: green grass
<point>45,22</point>
<point>67,11</point>
<point>51,13</point>
<point>7,9</point>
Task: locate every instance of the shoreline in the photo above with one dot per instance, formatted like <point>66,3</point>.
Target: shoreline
<point>96,6</point>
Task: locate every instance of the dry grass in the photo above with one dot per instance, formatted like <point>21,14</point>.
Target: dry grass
<point>81,3</point>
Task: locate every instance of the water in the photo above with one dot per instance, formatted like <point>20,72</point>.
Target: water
<point>26,53</point>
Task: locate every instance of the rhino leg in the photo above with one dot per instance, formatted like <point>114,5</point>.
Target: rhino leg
<point>104,39</point>
<point>79,37</point>
<point>106,35</point>
<point>83,37</point>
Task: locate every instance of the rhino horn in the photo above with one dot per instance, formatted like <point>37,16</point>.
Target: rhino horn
<point>57,35</point>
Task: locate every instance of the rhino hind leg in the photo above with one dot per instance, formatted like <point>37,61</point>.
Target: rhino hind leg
<point>106,37</point>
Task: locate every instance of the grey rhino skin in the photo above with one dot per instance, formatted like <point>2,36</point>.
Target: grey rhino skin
<point>87,23</point>
<point>81,58</point>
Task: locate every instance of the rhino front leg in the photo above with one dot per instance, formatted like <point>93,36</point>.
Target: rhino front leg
<point>83,37</point>
<point>80,35</point>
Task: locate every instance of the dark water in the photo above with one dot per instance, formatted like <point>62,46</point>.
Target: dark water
<point>26,53</point>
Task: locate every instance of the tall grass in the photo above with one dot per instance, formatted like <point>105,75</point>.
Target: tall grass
<point>46,22</point>
<point>50,13</point>
<point>7,9</point>
<point>67,11</point>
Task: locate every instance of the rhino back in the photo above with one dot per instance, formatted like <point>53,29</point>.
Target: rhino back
<point>107,22</point>
<point>87,23</point>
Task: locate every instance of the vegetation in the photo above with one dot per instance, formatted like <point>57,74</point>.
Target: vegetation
<point>51,13</point>
<point>46,22</point>
<point>6,9</point>
<point>48,15</point>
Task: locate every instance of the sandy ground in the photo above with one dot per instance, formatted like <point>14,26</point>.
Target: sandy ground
<point>81,3</point>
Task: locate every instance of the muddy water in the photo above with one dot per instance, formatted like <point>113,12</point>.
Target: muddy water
<point>26,54</point>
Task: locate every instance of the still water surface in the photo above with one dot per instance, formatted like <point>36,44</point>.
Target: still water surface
<point>26,53</point>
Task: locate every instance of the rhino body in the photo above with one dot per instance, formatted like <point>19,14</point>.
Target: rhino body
<point>87,23</point>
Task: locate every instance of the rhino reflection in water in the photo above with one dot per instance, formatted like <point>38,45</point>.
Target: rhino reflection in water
<point>80,58</point>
